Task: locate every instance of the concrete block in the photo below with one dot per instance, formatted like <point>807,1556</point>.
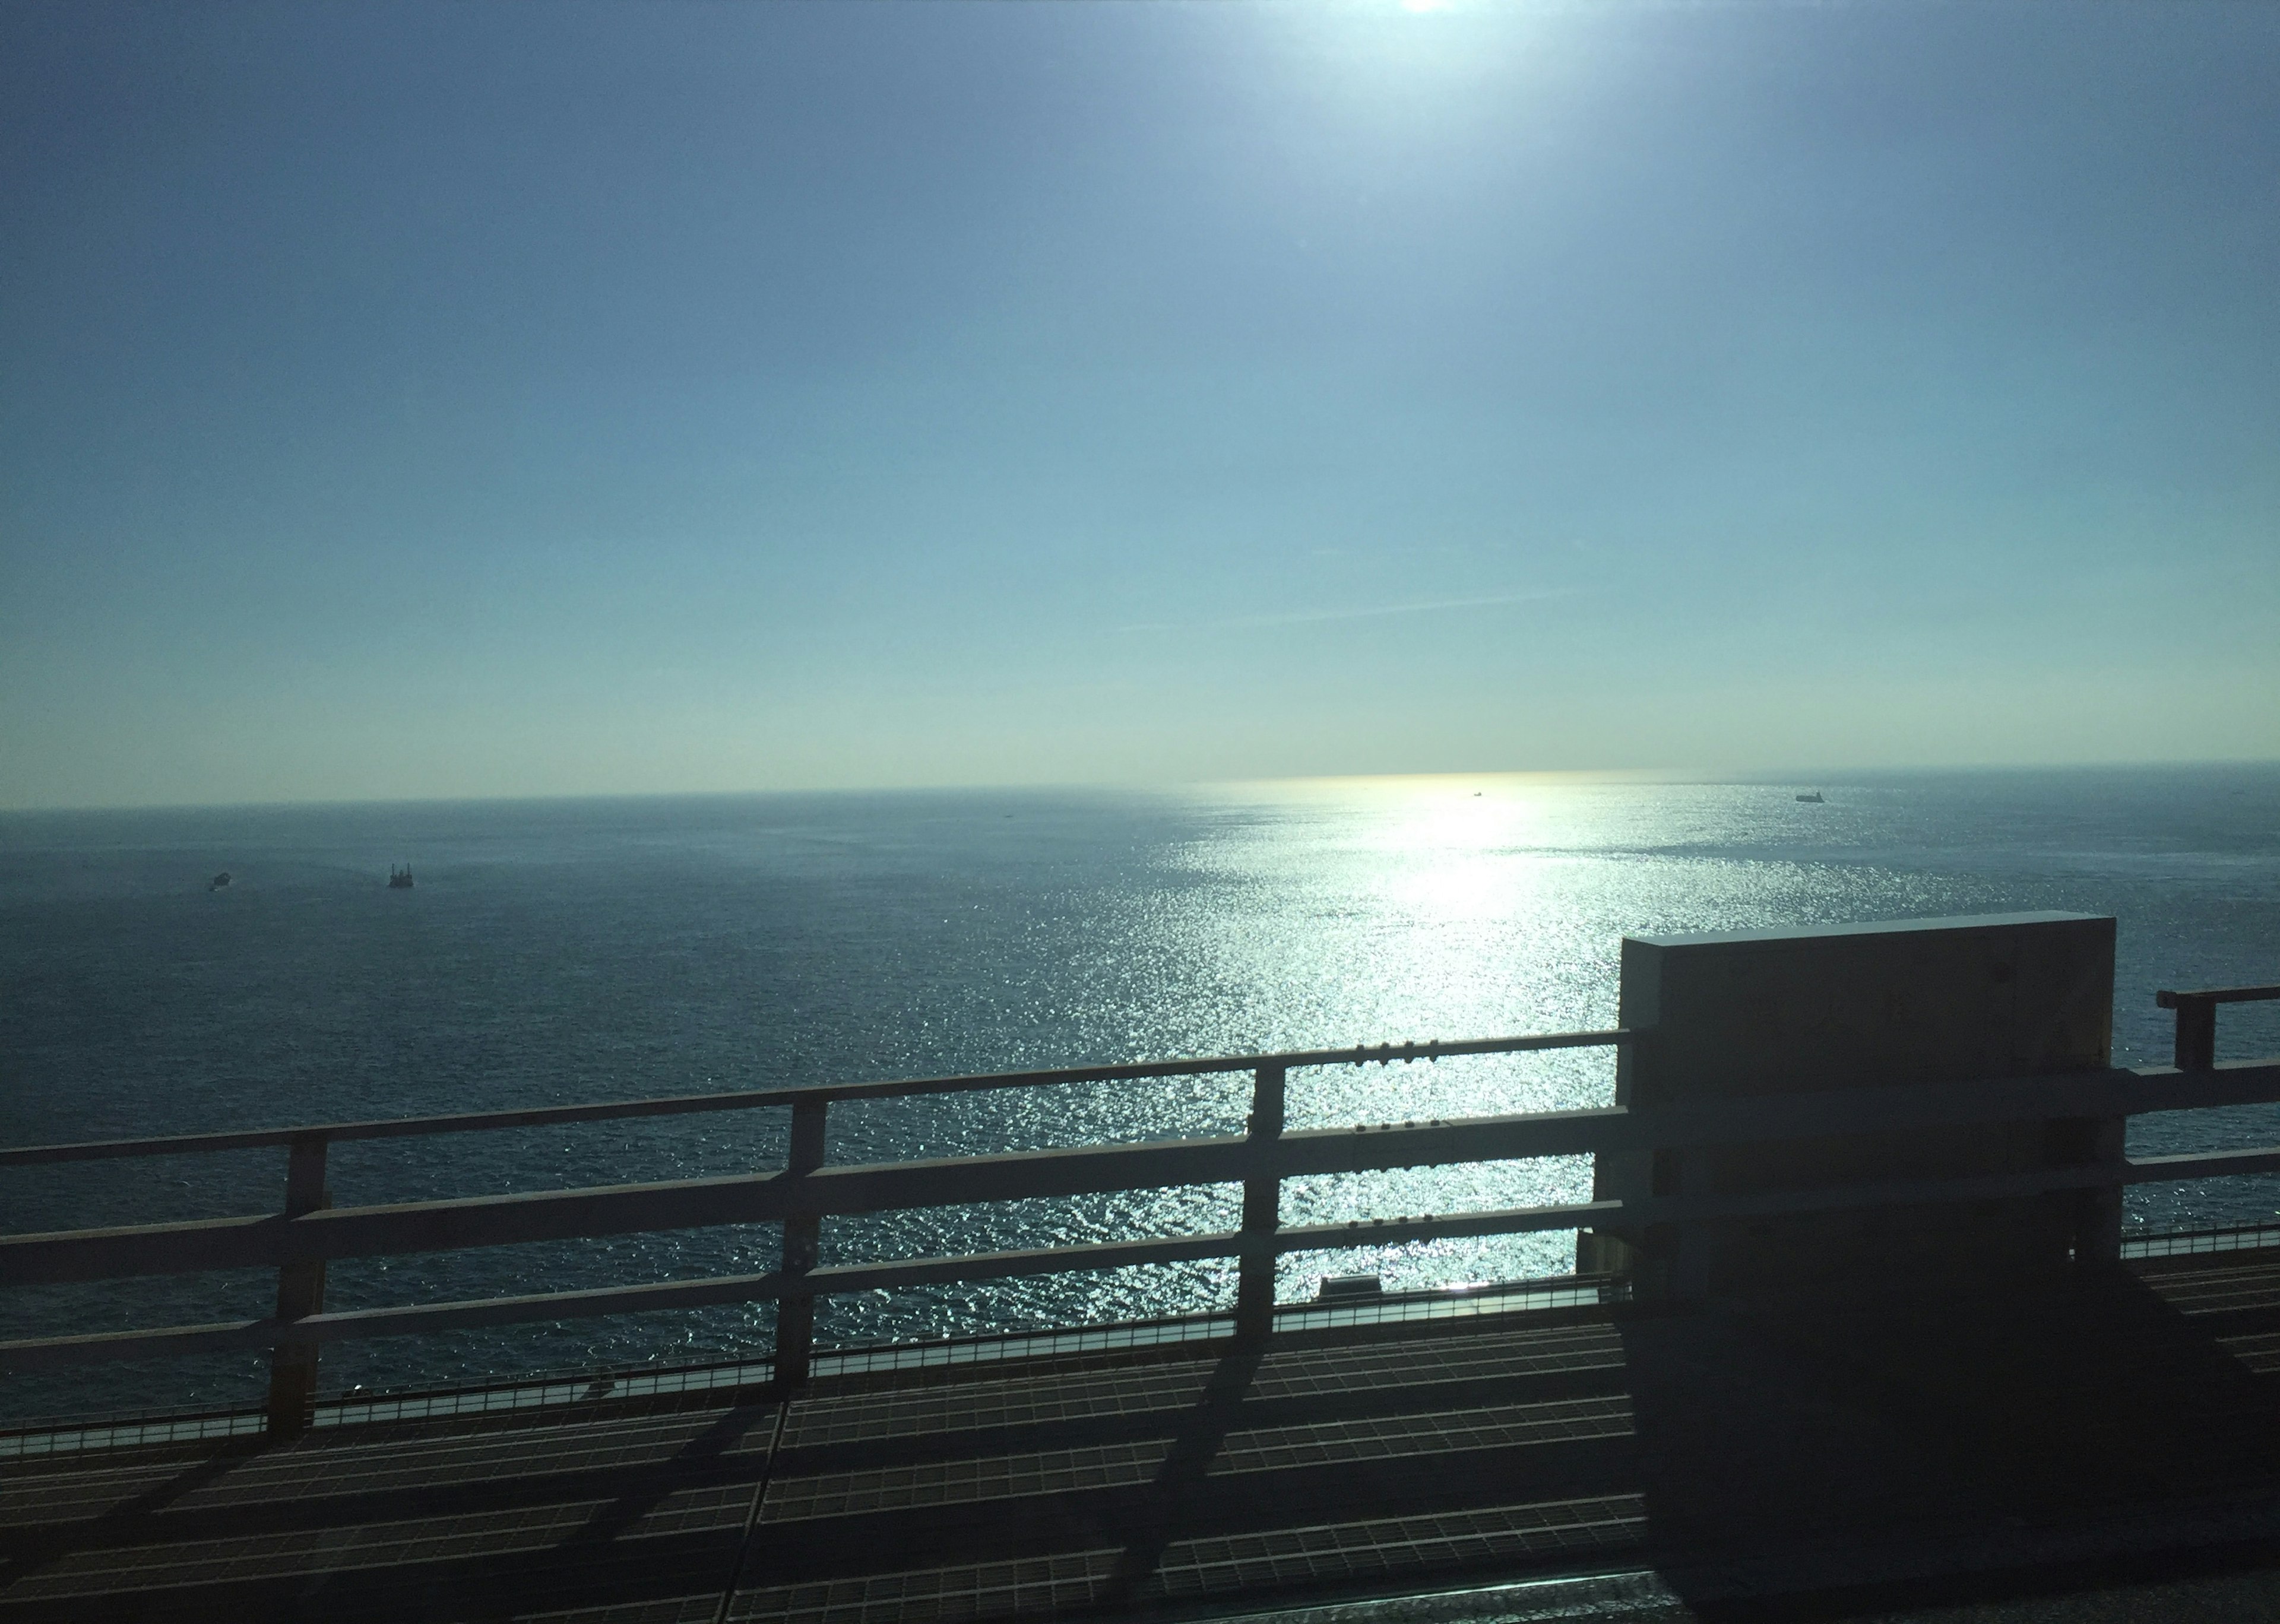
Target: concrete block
<point>1893,1005</point>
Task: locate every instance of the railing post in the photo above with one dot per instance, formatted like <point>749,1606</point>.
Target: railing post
<point>300,1292</point>
<point>1262,1210</point>
<point>802,1239</point>
<point>2196,1047</point>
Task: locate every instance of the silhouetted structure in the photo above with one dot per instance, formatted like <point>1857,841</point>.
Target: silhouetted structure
<point>1858,1318</point>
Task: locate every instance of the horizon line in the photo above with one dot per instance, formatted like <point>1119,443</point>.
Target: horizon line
<point>1770,775</point>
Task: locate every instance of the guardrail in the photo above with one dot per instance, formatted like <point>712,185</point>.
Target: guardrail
<point>308,1233</point>
<point>2196,1042</point>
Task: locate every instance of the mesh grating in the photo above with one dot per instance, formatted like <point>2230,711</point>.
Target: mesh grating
<point>2186,1242</point>
<point>1404,1545</point>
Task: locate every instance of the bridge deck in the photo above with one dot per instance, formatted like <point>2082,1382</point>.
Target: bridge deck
<point>1734,1452</point>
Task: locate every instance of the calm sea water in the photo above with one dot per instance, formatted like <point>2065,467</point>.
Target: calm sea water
<point>577,951</point>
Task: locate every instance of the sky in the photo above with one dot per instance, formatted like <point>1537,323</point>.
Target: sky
<point>478,399</point>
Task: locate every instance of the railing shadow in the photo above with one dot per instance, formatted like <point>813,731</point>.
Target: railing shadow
<point>409,1523</point>
<point>1158,1514</point>
<point>1125,1496</point>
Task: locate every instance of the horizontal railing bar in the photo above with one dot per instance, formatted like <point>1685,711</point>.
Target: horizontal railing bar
<point>2169,999</point>
<point>556,1215</point>
<point>1772,1118</point>
<point>551,1115</point>
<point>220,1336</point>
<point>625,1209</point>
<point>2202,1165</point>
<point>2118,1091</point>
<point>1451,1226</point>
<point>260,1138</point>
<point>128,1251</point>
<point>546,1116</point>
<point>902,1273</point>
<point>425,1318</point>
<point>1641,1212</point>
<point>839,1279</point>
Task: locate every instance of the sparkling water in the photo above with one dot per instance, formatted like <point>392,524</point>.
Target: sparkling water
<point>563,952</point>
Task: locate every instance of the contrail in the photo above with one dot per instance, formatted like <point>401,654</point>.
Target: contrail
<point>1303,617</point>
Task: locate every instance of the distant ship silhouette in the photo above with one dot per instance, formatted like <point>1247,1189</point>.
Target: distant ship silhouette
<point>1816,797</point>
<point>219,881</point>
<point>399,878</point>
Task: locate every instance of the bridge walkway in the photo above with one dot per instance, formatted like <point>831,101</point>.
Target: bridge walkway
<point>1736,1453</point>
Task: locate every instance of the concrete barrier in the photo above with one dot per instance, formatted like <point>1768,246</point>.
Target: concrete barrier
<point>1908,1002</point>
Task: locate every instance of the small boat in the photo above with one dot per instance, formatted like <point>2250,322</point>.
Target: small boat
<point>219,881</point>
<point>399,878</point>
<point>1816,797</point>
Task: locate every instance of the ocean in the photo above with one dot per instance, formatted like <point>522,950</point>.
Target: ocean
<point>573,951</point>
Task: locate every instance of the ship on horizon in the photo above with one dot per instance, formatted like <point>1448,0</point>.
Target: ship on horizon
<point>399,878</point>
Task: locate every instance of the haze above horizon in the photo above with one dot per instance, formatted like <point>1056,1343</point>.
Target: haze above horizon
<point>418,401</point>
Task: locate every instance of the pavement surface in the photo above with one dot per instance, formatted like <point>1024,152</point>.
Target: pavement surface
<point>2102,1447</point>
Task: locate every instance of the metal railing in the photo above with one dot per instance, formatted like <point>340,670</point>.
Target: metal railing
<point>309,1232</point>
<point>2196,1041</point>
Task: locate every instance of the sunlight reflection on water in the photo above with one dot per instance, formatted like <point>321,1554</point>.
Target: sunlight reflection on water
<point>602,950</point>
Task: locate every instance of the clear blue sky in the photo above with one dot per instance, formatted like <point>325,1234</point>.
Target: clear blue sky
<point>478,399</point>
